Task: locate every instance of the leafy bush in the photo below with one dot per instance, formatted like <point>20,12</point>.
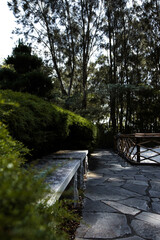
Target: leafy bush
<point>23,214</point>
<point>44,127</point>
<point>82,133</point>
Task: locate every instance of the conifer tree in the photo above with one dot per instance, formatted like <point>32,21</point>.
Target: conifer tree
<point>27,73</point>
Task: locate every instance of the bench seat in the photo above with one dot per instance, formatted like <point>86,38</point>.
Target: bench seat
<point>68,167</point>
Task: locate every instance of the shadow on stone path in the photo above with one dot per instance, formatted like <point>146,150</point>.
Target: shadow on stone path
<point>121,201</point>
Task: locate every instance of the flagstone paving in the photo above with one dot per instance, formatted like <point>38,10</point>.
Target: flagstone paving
<point>122,201</point>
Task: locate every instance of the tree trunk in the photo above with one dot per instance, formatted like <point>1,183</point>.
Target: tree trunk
<point>52,51</point>
<point>112,96</point>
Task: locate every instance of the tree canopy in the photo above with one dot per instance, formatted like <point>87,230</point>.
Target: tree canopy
<point>120,85</point>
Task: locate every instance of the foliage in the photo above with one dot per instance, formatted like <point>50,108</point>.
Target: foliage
<point>68,33</point>
<point>82,133</point>
<point>23,214</point>
<point>7,78</point>
<point>44,127</point>
<point>105,137</point>
<point>26,74</point>
<point>121,87</point>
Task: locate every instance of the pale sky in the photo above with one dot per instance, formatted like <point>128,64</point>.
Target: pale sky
<point>7,24</point>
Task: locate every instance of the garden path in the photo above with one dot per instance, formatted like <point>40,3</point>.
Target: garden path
<point>122,201</point>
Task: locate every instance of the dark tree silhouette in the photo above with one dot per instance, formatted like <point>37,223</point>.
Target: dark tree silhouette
<point>27,73</point>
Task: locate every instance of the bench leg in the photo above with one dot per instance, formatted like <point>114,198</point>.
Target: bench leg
<point>81,184</point>
<point>83,169</point>
<point>85,165</point>
<point>76,195</point>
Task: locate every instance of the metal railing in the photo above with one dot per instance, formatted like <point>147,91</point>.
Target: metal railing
<point>139,147</point>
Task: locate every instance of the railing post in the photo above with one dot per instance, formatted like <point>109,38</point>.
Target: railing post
<point>117,143</point>
<point>138,149</point>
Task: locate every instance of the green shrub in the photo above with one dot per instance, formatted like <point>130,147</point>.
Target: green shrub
<point>82,133</point>
<point>23,214</point>
<point>42,126</point>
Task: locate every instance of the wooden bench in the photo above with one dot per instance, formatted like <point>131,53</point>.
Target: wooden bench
<point>69,168</point>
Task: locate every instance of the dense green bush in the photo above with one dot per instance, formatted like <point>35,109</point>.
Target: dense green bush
<point>82,133</point>
<point>42,126</point>
<point>23,214</point>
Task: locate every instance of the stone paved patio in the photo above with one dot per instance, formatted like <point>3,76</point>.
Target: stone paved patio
<point>121,201</point>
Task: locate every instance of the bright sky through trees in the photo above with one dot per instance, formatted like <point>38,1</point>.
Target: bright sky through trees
<point>7,25</point>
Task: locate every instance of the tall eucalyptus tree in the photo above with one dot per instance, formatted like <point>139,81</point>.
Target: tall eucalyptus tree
<point>40,23</point>
<point>68,32</point>
<point>115,12</point>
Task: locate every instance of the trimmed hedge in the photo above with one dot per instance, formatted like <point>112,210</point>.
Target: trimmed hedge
<point>42,126</point>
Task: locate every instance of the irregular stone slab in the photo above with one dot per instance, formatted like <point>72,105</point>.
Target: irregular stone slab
<point>109,193</point>
<point>143,197</point>
<point>99,194</point>
<point>149,217</point>
<point>136,203</point>
<point>129,172</point>
<point>102,225</point>
<point>155,194</point>
<point>123,192</point>
<point>111,196</point>
<point>141,177</point>
<point>156,178</point>
<point>155,186</point>
<point>103,153</point>
<point>138,182</point>
<point>132,238</point>
<point>89,219</point>
<point>150,175</point>
<point>115,181</point>
<point>141,189</point>
<point>95,182</point>
<point>113,184</point>
<point>119,175</point>
<point>93,175</point>
<point>146,169</point>
<point>105,172</point>
<point>96,206</point>
<point>146,230</point>
<point>156,174</point>
<point>117,166</point>
<point>82,239</point>
<point>94,179</point>
<point>156,207</point>
<point>131,178</point>
<point>122,208</point>
<point>155,199</point>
